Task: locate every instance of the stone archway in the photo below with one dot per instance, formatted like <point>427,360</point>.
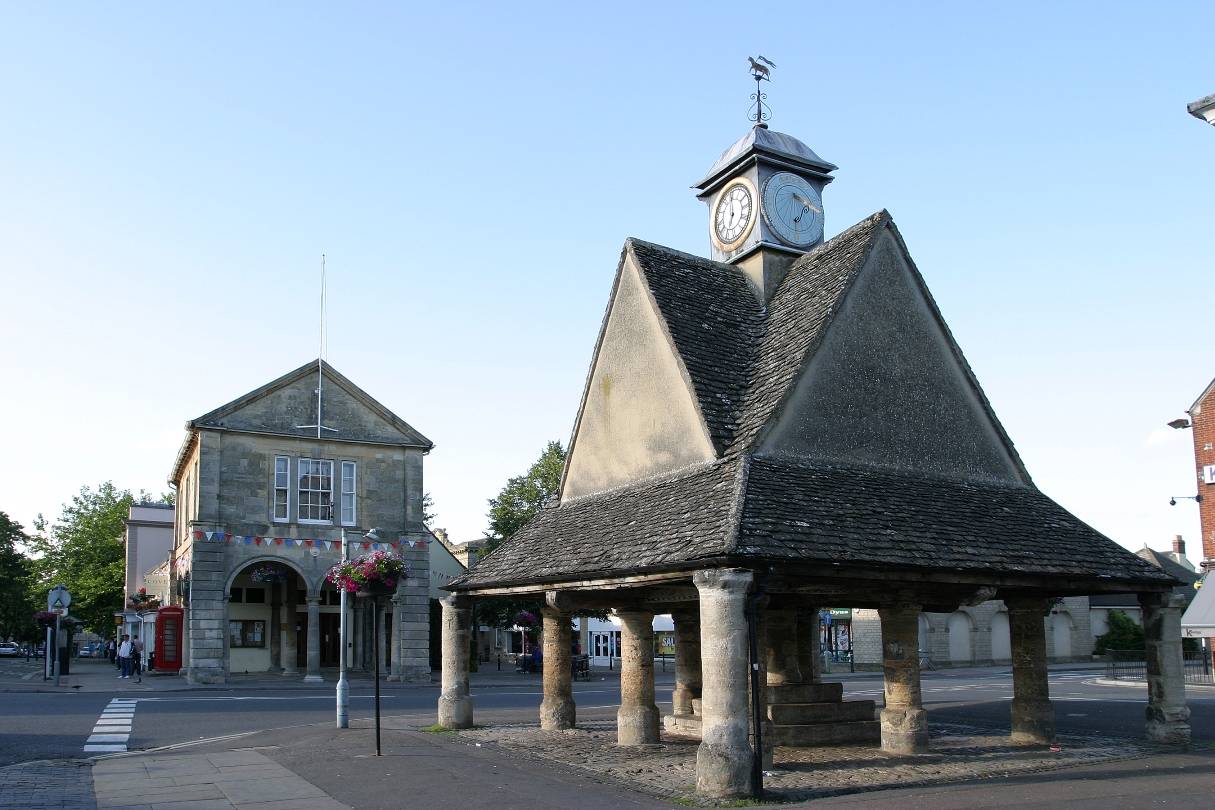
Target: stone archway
<point>1061,626</point>
<point>1001,637</point>
<point>261,618</point>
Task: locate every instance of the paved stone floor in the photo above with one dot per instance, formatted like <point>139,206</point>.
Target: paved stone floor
<point>57,784</point>
<point>958,753</point>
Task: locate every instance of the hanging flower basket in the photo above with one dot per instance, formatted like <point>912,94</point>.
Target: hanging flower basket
<point>142,601</point>
<point>268,573</point>
<point>374,574</point>
<point>525,618</point>
<point>44,618</point>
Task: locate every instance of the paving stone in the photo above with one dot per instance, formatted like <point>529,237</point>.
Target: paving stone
<point>47,785</point>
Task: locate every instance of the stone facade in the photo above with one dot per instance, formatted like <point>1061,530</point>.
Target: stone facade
<point>256,491</point>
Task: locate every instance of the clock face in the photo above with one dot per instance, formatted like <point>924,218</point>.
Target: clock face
<point>793,209</point>
<point>734,214</point>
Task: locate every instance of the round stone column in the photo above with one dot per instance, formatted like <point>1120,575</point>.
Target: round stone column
<point>779,649</point>
<point>723,761</point>
<point>1167,713</point>
<point>809,644</point>
<point>1033,715</point>
<point>291,620</point>
<point>455,702</point>
<point>687,662</point>
<point>637,720</point>
<point>314,641</point>
<point>557,710</point>
<point>904,721</point>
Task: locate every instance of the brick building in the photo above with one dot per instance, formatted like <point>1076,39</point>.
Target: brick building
<point>1202,423</point>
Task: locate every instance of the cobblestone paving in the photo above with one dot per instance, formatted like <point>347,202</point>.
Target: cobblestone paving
<point>49,784</point>
<point>958,753</point>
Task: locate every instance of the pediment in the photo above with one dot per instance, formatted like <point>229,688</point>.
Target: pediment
<point>288,404</point>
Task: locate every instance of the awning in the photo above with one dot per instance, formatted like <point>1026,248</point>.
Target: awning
<point>1199,619</point>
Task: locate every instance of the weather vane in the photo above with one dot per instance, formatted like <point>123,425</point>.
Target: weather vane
<point>759,69</point>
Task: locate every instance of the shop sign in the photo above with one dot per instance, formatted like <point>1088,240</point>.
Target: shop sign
<point>1208,474</point>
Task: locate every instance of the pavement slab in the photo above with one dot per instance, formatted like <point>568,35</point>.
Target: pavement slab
<point>220,780</point>
<point>47,785</point>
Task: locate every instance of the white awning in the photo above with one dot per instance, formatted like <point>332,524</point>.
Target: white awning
<point>1199,619</point>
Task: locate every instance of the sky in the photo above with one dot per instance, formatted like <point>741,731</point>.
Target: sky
<point>171,174</point>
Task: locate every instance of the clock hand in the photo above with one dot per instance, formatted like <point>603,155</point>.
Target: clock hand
<point>807,204</point>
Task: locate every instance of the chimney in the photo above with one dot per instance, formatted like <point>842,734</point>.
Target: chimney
<point>1178,546</point>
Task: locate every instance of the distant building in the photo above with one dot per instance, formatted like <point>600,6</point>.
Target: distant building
<point>1203,109</point>
<point>265,498</point>
<point>148,539</point>
<point>1202,425</point>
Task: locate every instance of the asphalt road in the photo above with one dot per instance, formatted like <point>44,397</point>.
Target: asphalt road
<point>41,725</point>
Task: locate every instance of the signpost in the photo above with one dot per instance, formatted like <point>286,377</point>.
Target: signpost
<point>57,601</point>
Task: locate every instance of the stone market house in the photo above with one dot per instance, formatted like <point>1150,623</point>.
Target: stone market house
<point>263,505</point>
<point>792,422</point>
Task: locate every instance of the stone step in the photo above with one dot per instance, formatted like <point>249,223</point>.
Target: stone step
<point>860,731</point>
<point>799,714</point>
<point>682,724</point>
<point>806,693</point>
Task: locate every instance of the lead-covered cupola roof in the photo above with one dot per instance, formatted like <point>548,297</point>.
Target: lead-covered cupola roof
<point>764,141</point>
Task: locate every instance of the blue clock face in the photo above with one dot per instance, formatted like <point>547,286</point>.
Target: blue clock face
<point>793,209</point>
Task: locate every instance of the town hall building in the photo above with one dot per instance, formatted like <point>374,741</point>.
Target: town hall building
<point>268,487</point>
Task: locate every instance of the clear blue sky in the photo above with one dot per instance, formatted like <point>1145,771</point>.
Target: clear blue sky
<point>171,174</point>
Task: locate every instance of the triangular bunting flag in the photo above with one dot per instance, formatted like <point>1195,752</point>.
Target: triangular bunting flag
<point>290,542</point>
<point>411,543</point>
<point>328,545</point>
<point>308,542</point>
<point>198,535</point>
<point>367,545</point>
<point>248,540</point>
<point>278,541</point>
<point>257,541</point>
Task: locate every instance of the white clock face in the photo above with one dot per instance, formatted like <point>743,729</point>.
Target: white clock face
<point>793,209</point>
<point>734,214</point>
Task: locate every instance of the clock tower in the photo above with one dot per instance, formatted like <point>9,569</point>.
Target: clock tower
<point>765,205</point>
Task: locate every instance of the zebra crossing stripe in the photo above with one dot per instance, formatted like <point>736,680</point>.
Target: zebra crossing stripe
<point>112,730</point>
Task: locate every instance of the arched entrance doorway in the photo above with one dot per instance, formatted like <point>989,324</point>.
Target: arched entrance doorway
<point>262,599</point>
<point>1061,625</point>
<point>960,648</point>
<point>1001,637</point>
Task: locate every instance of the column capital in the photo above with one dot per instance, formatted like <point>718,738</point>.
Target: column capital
<point>458,601</point>
<point>312,600</point>
<point>1162,600</point>
<point>724,579</point>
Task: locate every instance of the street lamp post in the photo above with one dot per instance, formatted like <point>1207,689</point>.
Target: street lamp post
<point>343,687</point>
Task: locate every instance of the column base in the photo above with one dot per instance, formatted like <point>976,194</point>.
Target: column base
<point>637,725</point>
<point>456,712</point>
<point>205,675</point>
<point>558,714</point>
<point>905,731</point>
<point>1166,733</point>
<point>1033,721</point>
<point>291,673</point>
<point>313,679</point>
<point>723,772</point>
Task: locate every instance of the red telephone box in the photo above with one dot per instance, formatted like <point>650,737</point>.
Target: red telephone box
<point>169,621</point>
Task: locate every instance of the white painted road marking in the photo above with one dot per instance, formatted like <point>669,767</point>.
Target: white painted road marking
<point>113,729</point>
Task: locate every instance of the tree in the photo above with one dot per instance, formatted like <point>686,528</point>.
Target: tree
<point>1123,634</point>
<point>17,591</point>
<point>428,511</point>
<point>524,496</point>
<point>84,549</point>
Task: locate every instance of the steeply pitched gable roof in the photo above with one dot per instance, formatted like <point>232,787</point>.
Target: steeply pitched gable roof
<point>743,362</point>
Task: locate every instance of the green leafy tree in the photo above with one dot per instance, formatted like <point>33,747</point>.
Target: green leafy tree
<point>17,590</point>
<point>428,511</point>
<point>84,550</point>
<point>1123,634</point>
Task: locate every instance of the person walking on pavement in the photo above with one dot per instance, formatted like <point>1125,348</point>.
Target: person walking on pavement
<point>124,657</point>
<point>111,652</point>
<point>137,659</point>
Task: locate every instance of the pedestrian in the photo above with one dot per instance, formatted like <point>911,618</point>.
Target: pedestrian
<point>137,659</point>
<point>124,657</point>
<point>111,651</point>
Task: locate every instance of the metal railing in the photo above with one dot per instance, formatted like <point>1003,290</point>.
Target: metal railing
<point>1131,665</point>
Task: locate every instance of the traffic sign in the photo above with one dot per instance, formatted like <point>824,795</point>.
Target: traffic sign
<point>58,598</point>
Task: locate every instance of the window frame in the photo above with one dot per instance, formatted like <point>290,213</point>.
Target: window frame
<point>299,493</point>
<point>349,493</point>
<point>285,489</point>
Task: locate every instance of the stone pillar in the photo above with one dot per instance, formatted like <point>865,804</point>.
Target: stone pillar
<point>778,650</point>
<point>687,662</point>
<point>904,721</point>
<point>557,710</point>
<point>314,641</point>
<point>455,704</point>
<point>291,620</point>
<point>637,720</point>
<point>724,759</point>
<point>208,627</point>
<point>276,632</point>
<point>1033,715</point>
<point>1167,714</point>
<point>809,644</point>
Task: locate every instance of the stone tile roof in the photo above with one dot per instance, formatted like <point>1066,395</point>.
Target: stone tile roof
<point>813,512</point>
<point>715,329</point>
<point>742,361</point>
